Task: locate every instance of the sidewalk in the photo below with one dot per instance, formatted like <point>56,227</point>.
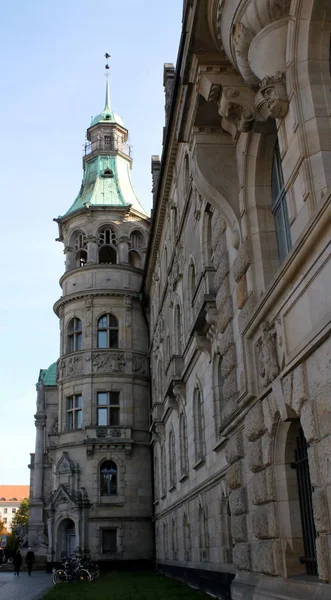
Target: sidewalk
<point>24,587</point>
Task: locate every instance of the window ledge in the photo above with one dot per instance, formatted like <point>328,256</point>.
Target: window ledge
<point>183,477</point>
<point>199,463</point>
<point>220,443</point>
<point>164,495</point>
<point>172,488</point>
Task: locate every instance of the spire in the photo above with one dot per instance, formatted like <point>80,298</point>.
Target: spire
<point>107,108</point>
<point>107,102</point>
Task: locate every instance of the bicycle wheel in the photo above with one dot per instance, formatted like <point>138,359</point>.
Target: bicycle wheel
<point>60,576</point>
<point>84,575</point>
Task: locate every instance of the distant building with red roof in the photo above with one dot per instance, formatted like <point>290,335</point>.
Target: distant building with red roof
<point>10,498</point>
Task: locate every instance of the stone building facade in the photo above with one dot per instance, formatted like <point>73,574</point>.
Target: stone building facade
<point>237,284</point>
<point>228,306</point>
<point>91,470</point>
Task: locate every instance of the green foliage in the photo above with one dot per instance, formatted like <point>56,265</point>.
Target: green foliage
<point>126,586</point>
<point>12,542</point>
<point>22,514</point>
<point>2,527</point>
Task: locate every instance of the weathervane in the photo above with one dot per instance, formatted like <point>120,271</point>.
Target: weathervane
<point>107,67</point>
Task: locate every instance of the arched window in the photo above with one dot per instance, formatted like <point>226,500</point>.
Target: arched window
<point>183,445</point>
<point>80,250</point>
<point>108,478</point>
<point>135,259</point>
<point>204,534</point>
<point>178,330</point>
<point>172,459</point>
<point>198,426</point>
<point>279,207</point>
<point>107,331</point>
<point>107,242</point>
<point>137,240</point>
<point>187,538</point>
<point>75,335</point>
<point>191,280</point>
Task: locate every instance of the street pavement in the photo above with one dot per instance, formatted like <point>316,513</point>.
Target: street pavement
<point>24,587</point>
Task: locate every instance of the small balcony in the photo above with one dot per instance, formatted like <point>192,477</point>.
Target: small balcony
<point>106,145</point>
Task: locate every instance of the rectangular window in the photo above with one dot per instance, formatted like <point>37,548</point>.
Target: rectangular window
<point>5,520</point>
<point>74,412</point>
<point>109,540</point>
<point>108,141</point>
<point>279,207</point>
<point>5,510</point>
<point>108,408</point>
<point>14,510</point>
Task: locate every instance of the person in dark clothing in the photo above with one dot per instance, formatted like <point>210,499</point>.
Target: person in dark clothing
<point>17,563</point>
<point>30,559</point>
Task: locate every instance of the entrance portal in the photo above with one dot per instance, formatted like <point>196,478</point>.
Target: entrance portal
<point>66,539</point>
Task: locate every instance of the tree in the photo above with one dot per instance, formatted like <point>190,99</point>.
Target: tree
<point>22,514</point>
<point>2,527</point>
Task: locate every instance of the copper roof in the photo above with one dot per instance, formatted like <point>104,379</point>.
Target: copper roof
<point>14,492</point>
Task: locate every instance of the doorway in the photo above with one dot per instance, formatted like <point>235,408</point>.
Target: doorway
<point>66,539</point>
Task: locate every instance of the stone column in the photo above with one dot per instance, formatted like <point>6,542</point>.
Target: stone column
<point>40,422</point>
<point>69,254</point>
<point>92,250</point>
<point>123,249</point>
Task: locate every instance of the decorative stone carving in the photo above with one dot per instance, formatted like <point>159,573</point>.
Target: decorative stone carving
<point>139,364</point>
<point>109,433</point>
<point>178,266</point>
<point>40,396</point>
<point>237,106</point>
<point>70,366</point>
<point>266,355</point>
<point>108,362</point>
<point>273,91</point>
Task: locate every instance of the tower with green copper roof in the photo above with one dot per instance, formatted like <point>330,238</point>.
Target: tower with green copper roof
<point>93,442</point>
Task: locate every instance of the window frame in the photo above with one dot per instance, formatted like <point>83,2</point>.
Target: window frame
<point>109,485</point>
<point>74,413</point>
<point>108,407</point>
<point>108,328</point>
<point>279,206</point>
<point>74,337</point>
<point>103,531</point>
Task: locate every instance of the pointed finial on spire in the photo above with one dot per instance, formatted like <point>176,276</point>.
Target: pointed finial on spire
<point>107,102</point>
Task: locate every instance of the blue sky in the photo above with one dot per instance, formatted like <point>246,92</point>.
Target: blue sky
<point>52,83</point>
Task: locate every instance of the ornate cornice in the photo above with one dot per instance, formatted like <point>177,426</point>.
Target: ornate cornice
<point>92,293</point>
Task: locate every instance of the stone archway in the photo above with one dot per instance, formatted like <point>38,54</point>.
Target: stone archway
<point>66,538</point>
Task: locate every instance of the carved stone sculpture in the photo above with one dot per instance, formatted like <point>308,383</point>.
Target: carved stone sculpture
<point>266,355</point>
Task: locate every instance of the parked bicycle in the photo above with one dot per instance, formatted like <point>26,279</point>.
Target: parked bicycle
<point>73,569</point>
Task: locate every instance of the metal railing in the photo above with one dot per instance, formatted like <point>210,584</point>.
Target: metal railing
<point>111,145</point>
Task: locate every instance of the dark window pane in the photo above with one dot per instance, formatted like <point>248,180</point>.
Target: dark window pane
<point>78,424</point>
<point>71,326</point>
<point>71,343</point>
<point>78,325</point>
<point>102,321</point>
<point>78,341</point>
<point>113,321</point>
<point>113,416</point>
<point>78,401</point>
<point>70,421</point>
<point>70,402</point>
<point>102,416</point>
<point>113,338</point>
<point>102,339</point>
<point>114,398</point>
<point>109,540</point>
<point>102,398</point>
<point>108,478</point>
